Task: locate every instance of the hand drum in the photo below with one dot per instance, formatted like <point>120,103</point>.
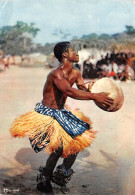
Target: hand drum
<point>115,92</point>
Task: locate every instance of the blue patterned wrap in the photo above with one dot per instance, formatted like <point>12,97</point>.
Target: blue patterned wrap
<point>70,123</point>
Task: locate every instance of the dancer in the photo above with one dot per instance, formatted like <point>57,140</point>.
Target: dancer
<point>53,127</point>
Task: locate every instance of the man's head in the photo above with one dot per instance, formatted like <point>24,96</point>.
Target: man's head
<point>60,48</point>
<point>65,49</point>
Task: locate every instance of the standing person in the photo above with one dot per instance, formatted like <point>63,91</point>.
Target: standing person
<point>54,128</point>
<point>5,61</point>
<point>88,68</point>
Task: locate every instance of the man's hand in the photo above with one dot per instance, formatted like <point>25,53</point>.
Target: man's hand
<point>103,99</point>
<point>91,83</point>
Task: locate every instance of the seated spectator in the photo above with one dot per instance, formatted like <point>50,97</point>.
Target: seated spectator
<point>112,69</point>
<point>102,71</point>
<point>129,72</point>
<point>121,71</point>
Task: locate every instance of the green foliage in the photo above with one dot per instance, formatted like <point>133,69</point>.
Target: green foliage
<point>90,36</point>
<point>130,29</point>
<point>24,27</point>
<point>60,33</point>
<point>17,39</point>
<point>104,37</point>
<point>20,28</point>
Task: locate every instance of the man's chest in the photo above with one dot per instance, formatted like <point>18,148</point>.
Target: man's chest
<point>71,78</point>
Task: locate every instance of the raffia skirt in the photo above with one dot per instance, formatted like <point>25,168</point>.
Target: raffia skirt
<point>46,133</point>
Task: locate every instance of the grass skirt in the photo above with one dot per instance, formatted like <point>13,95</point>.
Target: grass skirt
<point>37,125</point>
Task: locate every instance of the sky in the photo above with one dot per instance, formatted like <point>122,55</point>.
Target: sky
<point>73,18</point>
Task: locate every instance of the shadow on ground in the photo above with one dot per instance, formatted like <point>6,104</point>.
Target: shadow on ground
<point>90,178</point>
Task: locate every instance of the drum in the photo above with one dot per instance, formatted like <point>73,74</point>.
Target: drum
<point>115,92</point>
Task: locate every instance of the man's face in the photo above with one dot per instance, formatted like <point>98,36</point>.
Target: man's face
<point>72,55</point>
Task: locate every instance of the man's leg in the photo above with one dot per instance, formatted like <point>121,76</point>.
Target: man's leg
<point>45,176</point>
<point>52,161</point>
<point>68,162</point>
<point>63,173</point>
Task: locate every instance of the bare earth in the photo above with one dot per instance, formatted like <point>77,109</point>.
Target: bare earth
<point>105,168</point>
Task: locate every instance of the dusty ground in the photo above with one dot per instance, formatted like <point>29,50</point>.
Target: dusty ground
<point>106,168</point>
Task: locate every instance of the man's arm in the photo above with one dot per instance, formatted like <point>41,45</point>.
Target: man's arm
<point>79,81</point>
<point>63,85</point>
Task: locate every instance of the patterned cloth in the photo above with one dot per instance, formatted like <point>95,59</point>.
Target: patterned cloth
<point>48,128</point>
<point>70,123</point>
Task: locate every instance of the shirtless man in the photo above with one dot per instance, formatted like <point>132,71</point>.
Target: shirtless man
<point>61,137</point>
<point>59,82</point>
<point>59,86</point>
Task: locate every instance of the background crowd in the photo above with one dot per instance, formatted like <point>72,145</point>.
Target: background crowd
<point>120,66</point>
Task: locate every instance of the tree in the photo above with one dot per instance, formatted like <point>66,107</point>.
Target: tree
<point>17,39</point>
<point>61,34</point>
<point>90,36</point>
<point>104,37</point>
<point>25,28</point>
<point>130,29</point>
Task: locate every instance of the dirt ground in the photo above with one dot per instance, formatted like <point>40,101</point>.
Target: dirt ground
<point>105,168</point>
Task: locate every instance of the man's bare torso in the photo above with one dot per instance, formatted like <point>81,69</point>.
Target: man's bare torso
<point>52,96</point>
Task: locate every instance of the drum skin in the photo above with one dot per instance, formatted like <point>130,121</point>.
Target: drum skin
<point>115,92</point>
